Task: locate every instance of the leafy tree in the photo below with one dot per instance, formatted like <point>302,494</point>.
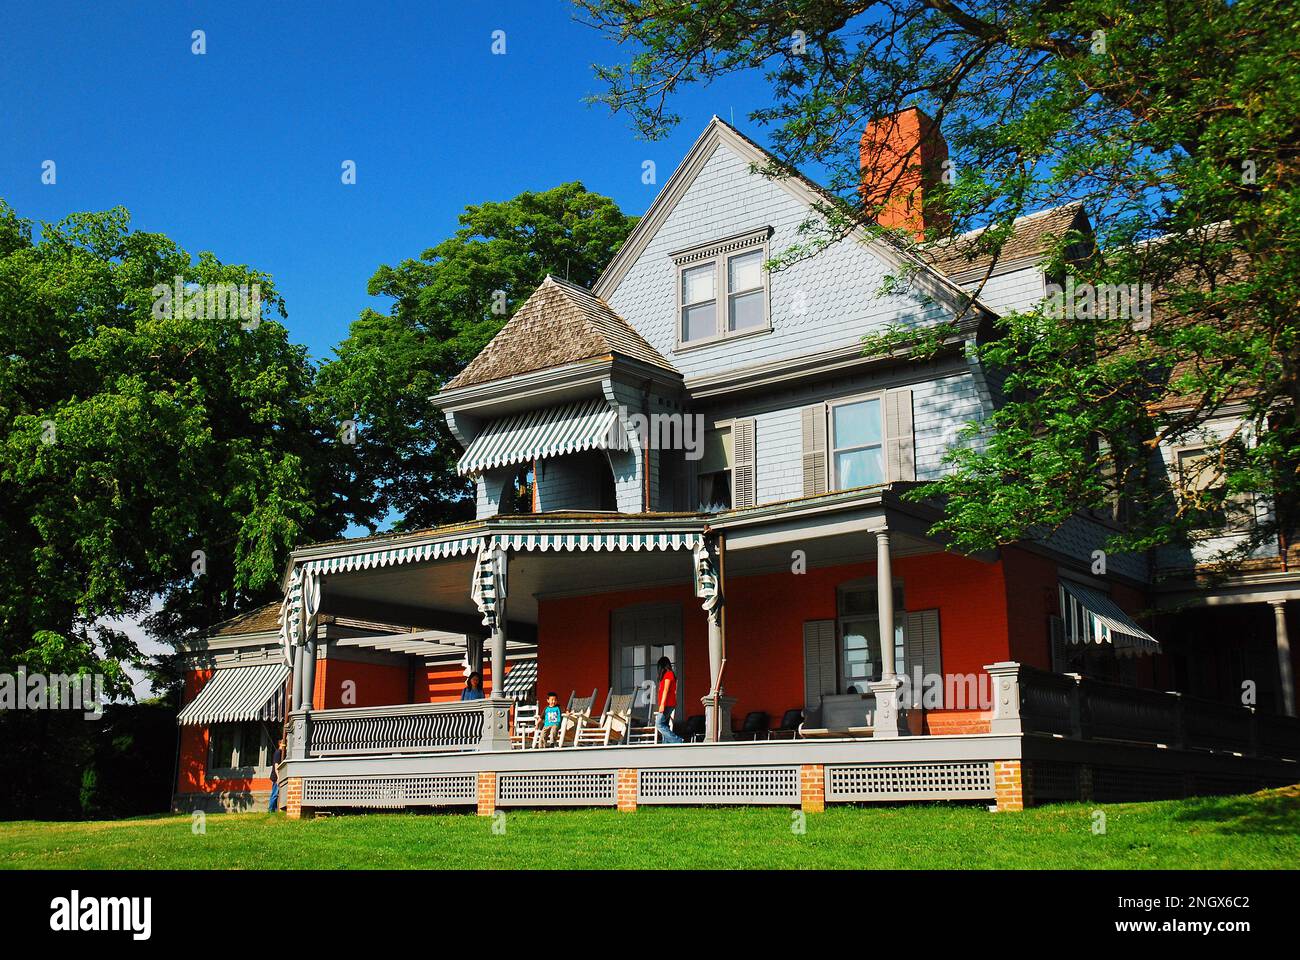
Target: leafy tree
<point>446,306</point>
<point>1176,120</point>
<point>150,450</point>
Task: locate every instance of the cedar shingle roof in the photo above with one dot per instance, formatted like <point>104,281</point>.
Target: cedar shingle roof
<point>560,323</point>
<point>1030,236</point>
<point>260,620</point>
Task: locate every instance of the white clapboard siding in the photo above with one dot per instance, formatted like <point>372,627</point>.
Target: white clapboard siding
<point>744,470</point>
<point>814,449</point>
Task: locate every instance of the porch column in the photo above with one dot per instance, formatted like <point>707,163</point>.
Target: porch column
<point>297,677</point>
<point>1283,657</point>
<point>889,720</point>
<point>498,642</point>
<point>717,706</point>
<point>309,673</point>
<point>885,605</point>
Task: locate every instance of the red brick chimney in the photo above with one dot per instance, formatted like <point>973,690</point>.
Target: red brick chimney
<point>901,160</point>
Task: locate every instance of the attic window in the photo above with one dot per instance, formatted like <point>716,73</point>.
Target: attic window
<point>722,289</point>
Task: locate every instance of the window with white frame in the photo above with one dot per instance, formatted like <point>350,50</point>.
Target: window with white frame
<point>857,443</point>
<point>236,747</point>
<point>722,289</point>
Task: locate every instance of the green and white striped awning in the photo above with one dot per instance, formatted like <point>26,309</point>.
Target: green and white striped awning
<point>520,681</point>
<point>549,432</point>
<point>235,694</point>
<point>597,541</point>
<point>391,556</point>
<point>1092,617</point>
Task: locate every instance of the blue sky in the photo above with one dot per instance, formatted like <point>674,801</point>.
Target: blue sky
<point>238,151</point>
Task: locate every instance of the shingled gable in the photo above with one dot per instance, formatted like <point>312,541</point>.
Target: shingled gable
<point>926,277</point>
<point>560,323</point>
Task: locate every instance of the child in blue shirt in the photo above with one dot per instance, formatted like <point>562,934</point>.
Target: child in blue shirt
<point>549,731</point>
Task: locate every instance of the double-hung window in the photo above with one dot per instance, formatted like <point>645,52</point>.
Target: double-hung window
<point>857,444</point>
<point>722,289</point>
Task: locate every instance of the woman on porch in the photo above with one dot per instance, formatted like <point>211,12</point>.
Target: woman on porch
<point>667,702</point>
<point>473,687</point>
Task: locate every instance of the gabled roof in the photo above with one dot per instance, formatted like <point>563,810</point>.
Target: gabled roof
<point>1031,235</point>
<point>926,277</point>
<point>560,323</point>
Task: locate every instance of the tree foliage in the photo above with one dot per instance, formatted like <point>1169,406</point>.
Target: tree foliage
<point>147,453</point>
<point>447,305</point>
<point>1175,121</point>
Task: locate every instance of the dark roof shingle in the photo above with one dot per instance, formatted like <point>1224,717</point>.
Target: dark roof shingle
<point>1031,235</point>
<point>259,620</point>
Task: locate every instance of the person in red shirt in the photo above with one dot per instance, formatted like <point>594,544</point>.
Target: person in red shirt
<point>667,701</point>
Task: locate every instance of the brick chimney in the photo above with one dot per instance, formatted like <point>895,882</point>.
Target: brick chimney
<point>901,160</point>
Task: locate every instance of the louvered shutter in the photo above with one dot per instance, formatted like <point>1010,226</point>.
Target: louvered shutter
<point>900,443</point>
<point>814,449</point>
<point>1060,648</point>
<point>818,665</point>
<point>744,472</point>
<point>923,649</point>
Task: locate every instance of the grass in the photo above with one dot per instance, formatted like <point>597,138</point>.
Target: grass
<point>1260,831</point>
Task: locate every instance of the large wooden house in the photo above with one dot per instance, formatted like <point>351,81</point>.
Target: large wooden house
<point>696,459</point>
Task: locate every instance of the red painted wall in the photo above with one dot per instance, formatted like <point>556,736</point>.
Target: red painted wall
<point>765,616</point>
<point>442,684</point>
<point>376,684</point>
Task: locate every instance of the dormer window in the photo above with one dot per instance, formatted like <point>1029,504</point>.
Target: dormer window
<point>722,289</point>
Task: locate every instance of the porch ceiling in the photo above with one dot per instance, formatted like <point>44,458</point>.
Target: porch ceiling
<point>828,551</point>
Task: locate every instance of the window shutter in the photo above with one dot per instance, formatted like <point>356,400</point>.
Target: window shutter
<point>744,480</point>
<point>923,648</point>
<point>818,663</point>
<point>900,444</point>
<point>814,450</point>
<point>1060,648</point>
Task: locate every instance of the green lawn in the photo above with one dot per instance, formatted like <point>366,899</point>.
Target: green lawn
<point>1258,831</point>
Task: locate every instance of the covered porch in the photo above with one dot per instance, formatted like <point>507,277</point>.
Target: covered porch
<point>760,611</point>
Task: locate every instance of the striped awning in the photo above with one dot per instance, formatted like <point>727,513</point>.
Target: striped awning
<point>597,541</point>
<point>238,693</point>
<point>1092,617</point>
<point>521,678</point>
<point>549,432</point>
<point>390,556</point>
